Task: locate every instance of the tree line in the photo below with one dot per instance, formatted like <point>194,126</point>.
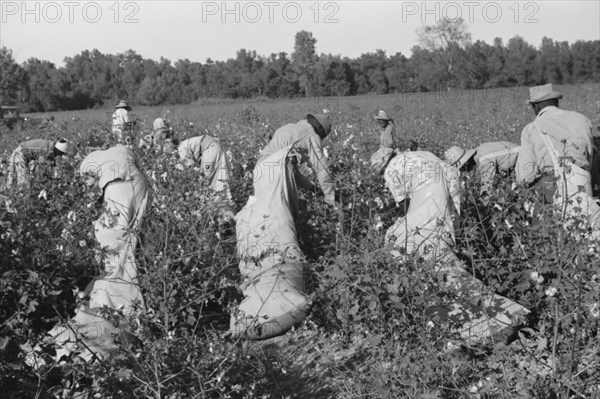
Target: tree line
<point>445,57</point>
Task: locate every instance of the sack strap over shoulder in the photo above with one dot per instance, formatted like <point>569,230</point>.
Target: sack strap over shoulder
<point>574,176</point>
<point>551,149</point>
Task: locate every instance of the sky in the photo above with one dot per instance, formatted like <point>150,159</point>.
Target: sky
<point>198,30</point>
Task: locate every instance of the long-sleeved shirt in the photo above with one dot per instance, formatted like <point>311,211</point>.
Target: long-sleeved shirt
<point>493,157</point>
<point>120,118</point>
<point>306,141</point>
<point>571,135</point>
<point>410,171</point>
<point>388,134</point>
<point>433,187</point>
<point>27,157</point>
<point>115,163</point>
<point>193,148</point>
<point>34,149</point>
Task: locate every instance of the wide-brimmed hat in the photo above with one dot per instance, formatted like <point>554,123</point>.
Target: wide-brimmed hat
<point>321,123</point>
<point>382,115</point>
<point>458,156</point>
<point>542,93</point>
<point>380,159</point>
<point>123,104</point>
<point>62,145</point>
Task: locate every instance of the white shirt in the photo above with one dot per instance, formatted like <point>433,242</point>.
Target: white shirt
<point>120,118</point>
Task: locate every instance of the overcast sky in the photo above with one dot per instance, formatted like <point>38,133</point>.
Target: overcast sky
<point>198,30</point>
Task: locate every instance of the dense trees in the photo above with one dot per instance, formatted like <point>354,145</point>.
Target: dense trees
<point>445,57</point>
<point>11,77</point>
<point>304,59</point>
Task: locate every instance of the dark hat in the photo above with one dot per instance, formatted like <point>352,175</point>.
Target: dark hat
<point>321,123</point>
<point>62,145</point>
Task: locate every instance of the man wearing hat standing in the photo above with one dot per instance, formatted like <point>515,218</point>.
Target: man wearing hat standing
<point>306,136</point>
<point>120,119</point>
<point>29,154</point>
<point>388,130</point>
<point>556,153</point>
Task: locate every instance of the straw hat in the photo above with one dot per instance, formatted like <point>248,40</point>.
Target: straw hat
<point>458,156</point>
<point>123,104</point>
<point>542,93</point>
<point>321,123</point>
<point>382,115</point>
<point>380,159</point>
<point>62,145</point>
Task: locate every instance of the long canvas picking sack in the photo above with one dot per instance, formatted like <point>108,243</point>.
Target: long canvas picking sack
<point>271,262</point>
<point>88,335</point>
<point>478,314</point>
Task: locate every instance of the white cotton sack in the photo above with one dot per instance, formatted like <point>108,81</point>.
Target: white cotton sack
<point>274,302</point>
